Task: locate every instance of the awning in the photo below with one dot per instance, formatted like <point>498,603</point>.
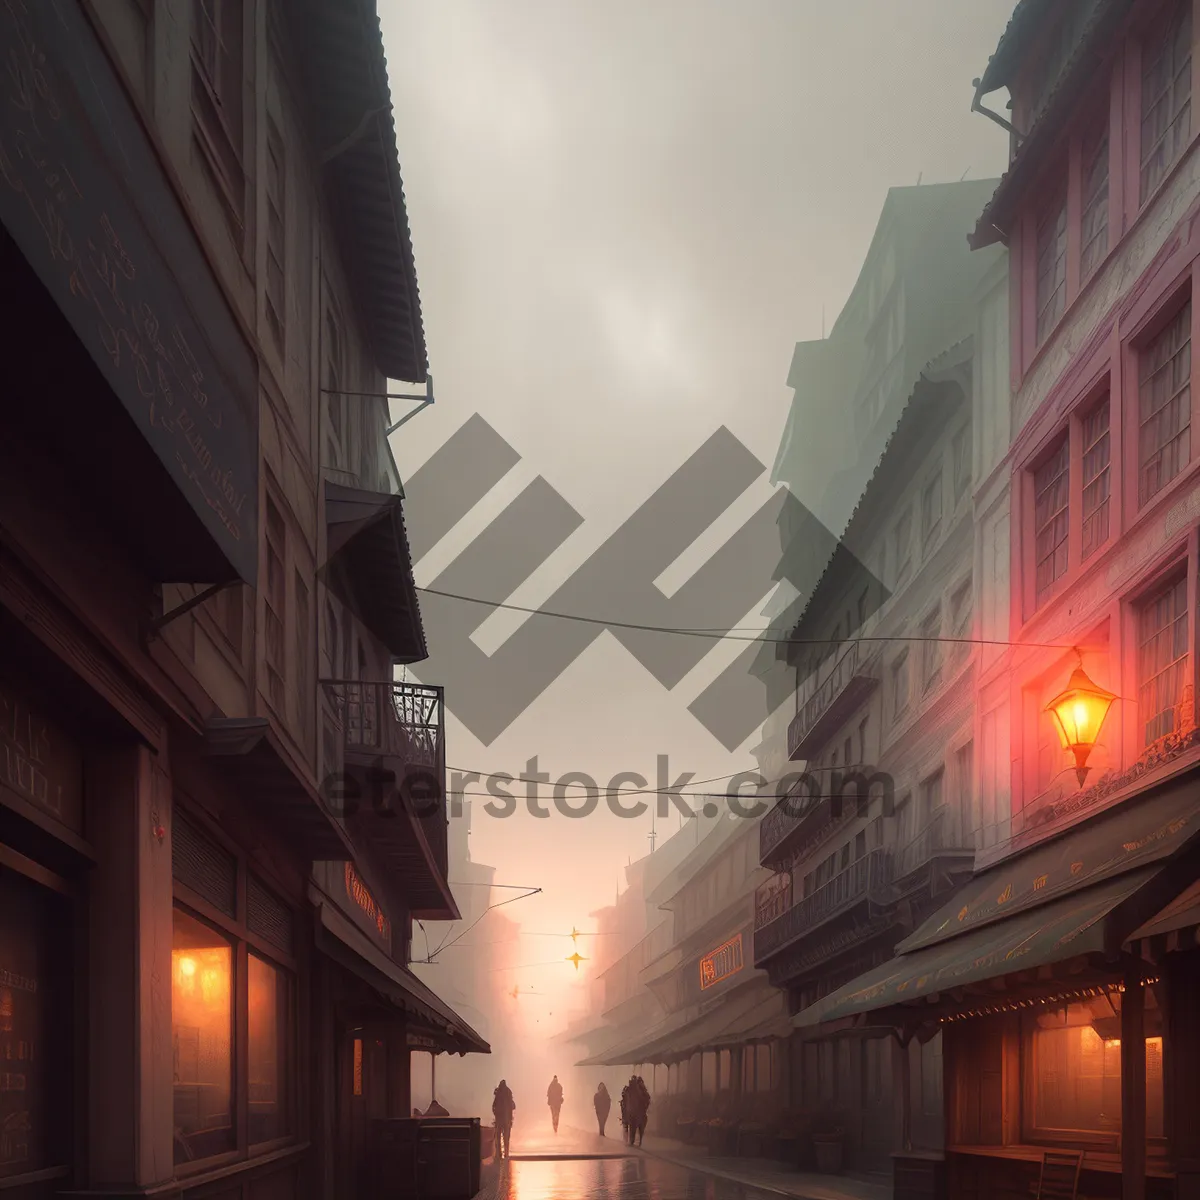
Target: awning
<point>765,1022</point>
<point>698,1032</point>
<point>251,756</point>
<point>624,1050</point>
<point>341,940</point>
<point>1066,928</point>
<point>1148,830</point>
<point>369,567</point>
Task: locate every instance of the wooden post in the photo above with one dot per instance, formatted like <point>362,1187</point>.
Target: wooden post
<point>1133,1090</point>
<point>903,1037</point>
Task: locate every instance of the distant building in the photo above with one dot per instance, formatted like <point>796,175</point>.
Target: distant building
<point>874,762</point>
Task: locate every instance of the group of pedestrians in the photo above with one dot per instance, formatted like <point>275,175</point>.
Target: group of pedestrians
<point>635,1107</point>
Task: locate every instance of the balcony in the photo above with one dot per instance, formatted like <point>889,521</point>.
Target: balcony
<point>869,876</point>
<point>940,839</point>
<point>854,676</point>
<point>392,747</point>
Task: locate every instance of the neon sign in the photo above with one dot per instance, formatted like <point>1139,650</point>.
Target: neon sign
<point>357,891</point>
<point>722,962</point>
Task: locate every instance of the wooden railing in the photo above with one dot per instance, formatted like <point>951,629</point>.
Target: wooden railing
<point>869,874</point>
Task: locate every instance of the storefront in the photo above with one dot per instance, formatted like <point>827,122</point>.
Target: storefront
<point>1064,984</point>
<point>374,1013</point>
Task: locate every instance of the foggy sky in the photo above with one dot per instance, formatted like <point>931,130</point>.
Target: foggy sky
<point>624,216</point>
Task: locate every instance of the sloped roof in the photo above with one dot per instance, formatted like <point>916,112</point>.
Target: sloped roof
<point>350,107</point>
<point>909,428</point>
<point>1077,74</point>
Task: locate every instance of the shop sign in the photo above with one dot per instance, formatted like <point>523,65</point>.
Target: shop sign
<point>721,963</point>
<point>38,762</point>
<point>360,896</point>
<point>417,1041</point>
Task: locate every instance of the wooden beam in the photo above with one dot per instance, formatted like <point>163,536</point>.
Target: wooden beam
<point>1133,1090</point>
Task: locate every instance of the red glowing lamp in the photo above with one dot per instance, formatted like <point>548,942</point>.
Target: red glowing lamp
<point>1078,714</point>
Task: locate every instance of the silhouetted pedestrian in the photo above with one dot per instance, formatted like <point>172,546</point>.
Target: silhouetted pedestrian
<point>554,1098</point>
<point>503,1107</point>
<point>603,1102</point>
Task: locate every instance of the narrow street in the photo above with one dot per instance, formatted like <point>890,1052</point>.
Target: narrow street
<point>578,1163</point>
<point>573,1163</point>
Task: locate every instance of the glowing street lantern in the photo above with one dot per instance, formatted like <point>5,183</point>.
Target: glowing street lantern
<point>576,958</point>
<point>1078,714</point>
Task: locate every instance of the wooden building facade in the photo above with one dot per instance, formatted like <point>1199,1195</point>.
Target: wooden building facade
<point>204,585</point>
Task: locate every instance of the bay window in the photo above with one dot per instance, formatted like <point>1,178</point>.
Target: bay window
<point>232,986</point>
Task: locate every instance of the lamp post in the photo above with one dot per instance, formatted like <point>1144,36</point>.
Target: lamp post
<point>1079,713</point>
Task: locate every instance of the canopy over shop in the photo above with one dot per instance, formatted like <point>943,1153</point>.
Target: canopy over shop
<point>1060,979</point>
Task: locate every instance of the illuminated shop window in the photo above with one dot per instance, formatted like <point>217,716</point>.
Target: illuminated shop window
<point>202,1033</point>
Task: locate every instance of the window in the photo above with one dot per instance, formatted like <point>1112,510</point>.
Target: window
<point>903,555</point>
<point>961,450</point>
<point>276,232</point>
<point>931,650</point>
<point>1093,231</point>
<point>964,768</point>
<point>931,512</point>
<point>202,1034</point>
<point>230,987</point>
<point>930,798</point>
<point>1051,519</point>
<point>1076,1072</point>
<point>217,27</point>
<point>226,609</point>
<point>860,845</point>
<point>304,682</point>
<point>762,1066</point>
<point>848,752</point>
<point>274,608</point>
<point>960,612</point>
<point>900,684</point>
<point>1095,477</point>
<point>35,1020</point>
<point>1162,660</point>
<point>862,740</point>
<point>1166,97</point>
<point>1051,268</point>
<point>844,857</point>
<point>1165,405</point>
<point>335,399</point>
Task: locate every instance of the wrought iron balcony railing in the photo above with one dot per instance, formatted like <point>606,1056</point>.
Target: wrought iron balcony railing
<point>869,875</point>
<point>852,679</point>
<point>403,721</point>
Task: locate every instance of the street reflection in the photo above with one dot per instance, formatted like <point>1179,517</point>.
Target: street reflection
<point>633,1178</point>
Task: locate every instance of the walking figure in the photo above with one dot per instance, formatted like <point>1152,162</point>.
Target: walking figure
<point>643,1107</point>
<point>603,1102</point>
<point>554,1098</point>
<point>503,1106</point>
